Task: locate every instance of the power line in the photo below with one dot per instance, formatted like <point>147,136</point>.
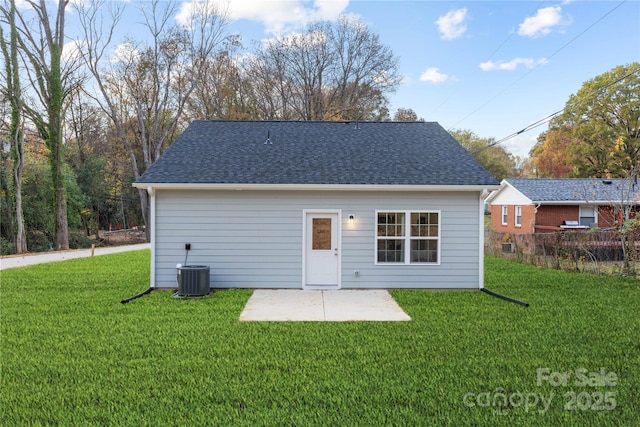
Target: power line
<point>496,50</point>
<point>551,116</point>
<point>513,32</point>
<point>546,59</point>
<point>587,29</point>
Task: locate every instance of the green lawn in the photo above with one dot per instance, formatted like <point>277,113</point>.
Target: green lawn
<point>71,354</point>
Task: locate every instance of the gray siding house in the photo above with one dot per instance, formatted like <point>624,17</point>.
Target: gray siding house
<point>318,205</point>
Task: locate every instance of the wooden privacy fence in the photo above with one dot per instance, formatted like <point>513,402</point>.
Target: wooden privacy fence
<point>596,250</point>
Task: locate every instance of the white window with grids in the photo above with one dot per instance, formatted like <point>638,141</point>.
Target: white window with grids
<point>407,237</point>
<point>505,214</point>
<point>517,218</point>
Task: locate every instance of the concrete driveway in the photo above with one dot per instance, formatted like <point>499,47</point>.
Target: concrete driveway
<point>14,261</point>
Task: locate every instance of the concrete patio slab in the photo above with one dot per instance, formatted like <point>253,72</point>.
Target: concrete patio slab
<point>316,305</point>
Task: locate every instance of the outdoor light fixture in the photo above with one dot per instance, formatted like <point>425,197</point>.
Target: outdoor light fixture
<point>351,218</point>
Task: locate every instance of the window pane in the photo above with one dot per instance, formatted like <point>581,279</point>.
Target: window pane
<point>424,224</point>
<point>391,250</point>
<point>587,211</point>
<point>418,224</point>
<point>424,251</point>
<point>390,224</point>
<point>321,234</point>
<point>587,216</point>
<point>586,221</point>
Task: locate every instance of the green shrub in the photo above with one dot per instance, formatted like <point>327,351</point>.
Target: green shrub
<point>7,247</point>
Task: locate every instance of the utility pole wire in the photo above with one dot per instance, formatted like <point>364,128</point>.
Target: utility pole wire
<point>545,60</point>
<point>551,116</point>
<point>437,107</point>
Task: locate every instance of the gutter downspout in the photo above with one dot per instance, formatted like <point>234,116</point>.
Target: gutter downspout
<point>152,224</point>
<point>535,217</point>
<point>483,196</point>
<point>497,295</point>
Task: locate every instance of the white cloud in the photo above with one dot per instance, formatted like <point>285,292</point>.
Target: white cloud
<point>521,145</point>
<point>77,3</point>
<point>315,38</point>
<point>189,9</point>
<point>543,22</point>
<point>511,65</point>
<point>276,15</point>
<point>382,78</point>
<point>452,25</point>
<point>125,52</point>
<point>433,75</point>
<point>72,51</point>
<point>22,4</point>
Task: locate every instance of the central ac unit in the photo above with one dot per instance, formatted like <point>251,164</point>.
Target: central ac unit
<point>193,280</point>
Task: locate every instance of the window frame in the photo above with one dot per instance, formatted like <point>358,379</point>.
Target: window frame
<point>505,215</point>
<point>408,238</point>
<point>517,216</point>
<point>595,215</point>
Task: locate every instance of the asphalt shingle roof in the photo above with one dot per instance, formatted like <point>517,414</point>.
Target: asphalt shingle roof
<point>575,189</point>
<point>382,153</point>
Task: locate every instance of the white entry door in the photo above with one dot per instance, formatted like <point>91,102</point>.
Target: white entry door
<point>322,250</point>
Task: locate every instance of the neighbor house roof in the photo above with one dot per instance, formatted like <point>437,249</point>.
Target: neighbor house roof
<point>288,152</point>
<point>574,190</point>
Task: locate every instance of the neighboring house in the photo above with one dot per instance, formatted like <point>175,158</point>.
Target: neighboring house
<point>533,205</point>
<point>314,205</point>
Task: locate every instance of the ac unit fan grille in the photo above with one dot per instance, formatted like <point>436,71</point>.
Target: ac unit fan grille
<point>193,280</point>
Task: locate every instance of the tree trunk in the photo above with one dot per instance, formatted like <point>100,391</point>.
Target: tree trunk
<point>61,236</point>
<point>17,136</point>
<point>56,146</point>
<point>145,207</point>
<point>62,227</point>
<point>42,51</point>
<point>21,236</point>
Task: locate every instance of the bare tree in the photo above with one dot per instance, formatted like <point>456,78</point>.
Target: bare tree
<point>331,71</point>
<point>406,115</point>
<point>150,83</point>
<point>223,92</point>
<point>13,93</point>
<point>271,90</point>
<point>41,37</point>
<point>628,224</point>
<point>364,70</point>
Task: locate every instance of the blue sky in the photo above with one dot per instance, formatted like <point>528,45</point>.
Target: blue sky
<point>493,67</point>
